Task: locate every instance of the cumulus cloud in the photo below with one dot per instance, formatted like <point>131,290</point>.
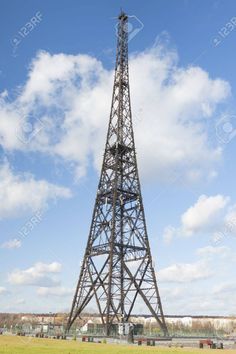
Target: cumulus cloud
<point>208,284</point>
<point>224,288</point>
<point>203,213</point>
<point>22,193</point>
<point>14,243</point>
<point>20,301</point>
<point>211,215</point>
<point>3,290</point>
<point>169,233</point>
<point>185,272</point>
<point>211,251</point>
<point>38,275</point>
<point>54,291</point>
<point>66,100</point>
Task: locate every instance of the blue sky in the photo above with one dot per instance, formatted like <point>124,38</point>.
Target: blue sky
<point>56,75</point>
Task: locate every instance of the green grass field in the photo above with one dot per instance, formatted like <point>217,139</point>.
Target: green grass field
<point>24,345</point>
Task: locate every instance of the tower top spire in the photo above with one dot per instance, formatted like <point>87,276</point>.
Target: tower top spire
<point>122,15</point>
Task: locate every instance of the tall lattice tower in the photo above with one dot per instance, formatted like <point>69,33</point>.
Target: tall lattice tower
<point>117,268</point>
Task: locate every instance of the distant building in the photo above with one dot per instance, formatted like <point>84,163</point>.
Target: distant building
<point>91,322</point>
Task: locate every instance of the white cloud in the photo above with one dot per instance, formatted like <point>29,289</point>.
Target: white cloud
<point>209,215</point>
<point>54,291</point>
<point>38,275</point>
<point>3,290</point>
<point>209,288</point>
<point>203,213</point>
<point>14,243</point>
<point>175,293</point>
<point>20,301</point>
<point>9,124</point>
<point>210,251</point>
<point>22,193</point>
<point>169,233</point>
<point>185,272</point>
<point>67,99</point>
<point>225,288</point>
<point>219,294</point>
<point>53,267</point>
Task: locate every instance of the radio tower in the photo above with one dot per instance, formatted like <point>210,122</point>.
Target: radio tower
<point>117,267</point>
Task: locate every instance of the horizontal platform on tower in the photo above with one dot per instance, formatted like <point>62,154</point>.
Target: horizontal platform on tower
<point>105,249</point>
<point>119,149</point>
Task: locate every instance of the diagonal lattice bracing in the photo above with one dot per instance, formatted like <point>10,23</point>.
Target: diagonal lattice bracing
<point>117,268</point>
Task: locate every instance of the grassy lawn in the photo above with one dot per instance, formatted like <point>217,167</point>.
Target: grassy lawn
<point>24,345</point>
